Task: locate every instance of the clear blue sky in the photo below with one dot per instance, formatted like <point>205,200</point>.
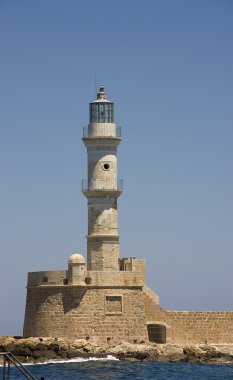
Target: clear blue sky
<point>167,65</point>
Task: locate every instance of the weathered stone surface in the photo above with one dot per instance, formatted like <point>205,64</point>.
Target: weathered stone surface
<point>18,350</point>
<point>84,313</point>
<point>191,327</point>
<point>193,351</point>
<point>44,354</point>
<point>138,351</point>
<point>207,353</point>
<point>35,350</point>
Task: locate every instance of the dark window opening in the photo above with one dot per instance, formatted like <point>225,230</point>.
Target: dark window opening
<point>88,280</point>
<point>157,333</point>
<point>106,166</point>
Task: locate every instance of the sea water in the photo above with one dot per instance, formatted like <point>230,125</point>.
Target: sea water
<point>110,369</point>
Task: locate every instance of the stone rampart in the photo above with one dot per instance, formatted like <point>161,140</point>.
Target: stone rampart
<point>53,277</point>
<point>190,327</point>
<point>114,306</point>
<point>99,314</point>
<point>120,278</point>
<point>200,326</point>
<point>93,278</point>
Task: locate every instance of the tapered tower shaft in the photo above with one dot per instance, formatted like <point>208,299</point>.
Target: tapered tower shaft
<point>102,188</point>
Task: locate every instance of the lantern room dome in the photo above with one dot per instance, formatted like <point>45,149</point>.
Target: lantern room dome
<point>101,96</point>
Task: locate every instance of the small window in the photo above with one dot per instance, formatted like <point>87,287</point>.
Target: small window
<point>157,333</point>
<point>45,279</point>
<point>113,305</point>
<point>88,280</point>
<point>106,167</point>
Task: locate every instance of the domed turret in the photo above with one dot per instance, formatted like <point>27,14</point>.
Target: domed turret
<point>76,269</point>
<point>76,258</point>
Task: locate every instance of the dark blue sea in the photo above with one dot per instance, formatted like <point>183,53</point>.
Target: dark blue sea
<point>112,369</point>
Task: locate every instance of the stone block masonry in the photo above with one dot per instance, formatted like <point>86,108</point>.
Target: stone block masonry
<point>190,327</point>
<point>199,327</point>
<point>116,313</point>
<point>74,312</point>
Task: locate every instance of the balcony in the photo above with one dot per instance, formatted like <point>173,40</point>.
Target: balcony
<point>102,131</point>
<point>102,185</point>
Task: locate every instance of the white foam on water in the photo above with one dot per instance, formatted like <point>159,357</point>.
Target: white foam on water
<point>74,360</point>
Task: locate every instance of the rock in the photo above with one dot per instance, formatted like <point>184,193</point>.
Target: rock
<point>193,351</point>
<point>45,354</point>
<point>39,347</point>
<point>43,349</point>
<point>79,343</point>
<point>16,350</point>
<point>73,354</point>
<point>137,351</point>
<point>225,349</point>
<point>170,353</point>
<point>62,354</point>
<point>169,349</point>
<point>5,340</point>
<point>93,348</point>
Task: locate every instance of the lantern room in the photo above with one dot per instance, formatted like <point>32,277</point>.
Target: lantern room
<point>101,110</point>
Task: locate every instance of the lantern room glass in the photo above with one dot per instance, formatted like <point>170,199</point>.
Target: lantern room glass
<point>102,112</point>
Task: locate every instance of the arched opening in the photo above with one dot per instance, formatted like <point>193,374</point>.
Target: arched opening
<point>156,333</point>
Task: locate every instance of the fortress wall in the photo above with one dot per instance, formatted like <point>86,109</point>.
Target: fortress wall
<point>117,313</point>
<point>97,278</point>
<point>191,327</point>
<point>54,277</point>
<point>113,278</point>
<point>100,315</point>
<point>200,326</point>
<point>139,266</point>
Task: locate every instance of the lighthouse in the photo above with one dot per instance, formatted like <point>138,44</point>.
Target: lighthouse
<point>103,299</point>
<point>106,301</point>
<point>102,186</point>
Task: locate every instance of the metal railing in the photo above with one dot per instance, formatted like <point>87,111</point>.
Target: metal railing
<point>102,184</point>
<point>102,131</point>
<point>8,359</point>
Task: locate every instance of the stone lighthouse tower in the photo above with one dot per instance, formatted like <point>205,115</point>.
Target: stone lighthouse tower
<point>102,187</point>
<point>107,300</point>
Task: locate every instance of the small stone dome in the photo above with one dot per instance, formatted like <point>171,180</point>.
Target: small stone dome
<point>76,258</point>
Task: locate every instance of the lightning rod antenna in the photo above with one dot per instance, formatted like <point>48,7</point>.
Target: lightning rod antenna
<point>95,84</point>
